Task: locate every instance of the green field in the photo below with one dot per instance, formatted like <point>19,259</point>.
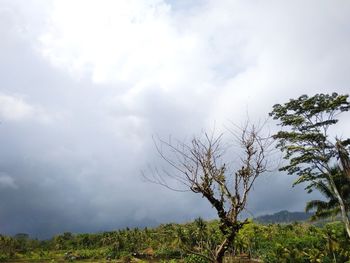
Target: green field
<point>272,243</point>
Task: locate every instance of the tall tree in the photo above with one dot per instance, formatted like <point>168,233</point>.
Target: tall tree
<point>200,167</point>
<point>306,143</point>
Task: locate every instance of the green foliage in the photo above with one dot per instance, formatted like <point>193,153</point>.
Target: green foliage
<point>330,207</point>
<point>166,252</point>
<point>272,243</point>
<point>294,243</point>
<point>4,257</point>
<point>169,261</point>
<point>200,237</point>
<point>306,144</point>
<point>312,153</point>
<point>195,259</point>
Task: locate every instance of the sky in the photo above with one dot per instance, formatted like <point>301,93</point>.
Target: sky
<point>85,84</point>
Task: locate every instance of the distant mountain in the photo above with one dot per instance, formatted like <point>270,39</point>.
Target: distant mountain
<point>283,217</point>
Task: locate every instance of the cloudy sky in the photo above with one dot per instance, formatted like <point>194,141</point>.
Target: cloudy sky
<point>84,84</point>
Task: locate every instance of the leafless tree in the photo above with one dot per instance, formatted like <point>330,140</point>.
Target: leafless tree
<point>199,166</point>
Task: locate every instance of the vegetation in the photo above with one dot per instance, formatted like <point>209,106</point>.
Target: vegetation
<point>311,151</point>
<point>297,242</point>
<point>330,207</point>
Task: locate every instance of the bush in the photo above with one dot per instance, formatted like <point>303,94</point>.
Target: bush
<point>167,253</point>
<point>3,258</point>
<point>195,259</point>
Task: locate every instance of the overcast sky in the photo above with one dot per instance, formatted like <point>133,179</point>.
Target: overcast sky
<point>84,84</point>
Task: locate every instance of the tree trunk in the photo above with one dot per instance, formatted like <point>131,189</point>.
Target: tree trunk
<point>220,252</point>
<point>344,214</point>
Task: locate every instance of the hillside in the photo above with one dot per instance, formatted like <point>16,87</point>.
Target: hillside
<point>283,217</point>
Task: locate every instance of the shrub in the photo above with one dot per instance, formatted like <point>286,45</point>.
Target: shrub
<point>3,258</point>
<point>195,259</point>
<point>167,253</point>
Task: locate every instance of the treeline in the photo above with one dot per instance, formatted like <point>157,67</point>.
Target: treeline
<point>297,242</point>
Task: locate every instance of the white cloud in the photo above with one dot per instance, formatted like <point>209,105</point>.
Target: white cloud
<point>128,41</point>
<point>15,108</point>
<point>226,55</point>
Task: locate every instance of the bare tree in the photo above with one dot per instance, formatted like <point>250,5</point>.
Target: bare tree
<point>199,166</point>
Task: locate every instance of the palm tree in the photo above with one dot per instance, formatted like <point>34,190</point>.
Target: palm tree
<point>330,207</point>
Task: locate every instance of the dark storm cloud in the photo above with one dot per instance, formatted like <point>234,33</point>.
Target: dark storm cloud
<point>79,107</point>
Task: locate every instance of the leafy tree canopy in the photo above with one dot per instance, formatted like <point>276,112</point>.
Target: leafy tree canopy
<point>306,141</point>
